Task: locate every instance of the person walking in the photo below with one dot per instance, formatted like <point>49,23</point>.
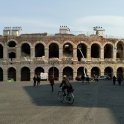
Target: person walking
<point>119,79</point>
<point>114,80</point>
<point>38,80</point>
<point>51,80</point>
<point>35,80</point>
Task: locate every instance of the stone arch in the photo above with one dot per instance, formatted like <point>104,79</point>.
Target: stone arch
<point>39,42</point>
<point>108,71</point>
<point>23,42</point>
<point>68,49</point>
<point>1,51</point>
<point>53,50</point>
<point>25,74</point>
<point>95,50</point>
<point>55,72</point>
<point>120,72</point>
<point>12,43</point>
<point>1,74</point>
<point>81,51</point>
<point>39,50</point>
<point>25,50</point>
<point>120,50</point>
<point>68,71</point>
<point>12,73</point>
<point>38,70</point>
<point>53,41</point>
<point>95,71</point>
<point>108,51</point>
<point>80,71</point>
<point>12,55</point>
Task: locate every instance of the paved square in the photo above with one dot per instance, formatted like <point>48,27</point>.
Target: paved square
<point>95,103</point>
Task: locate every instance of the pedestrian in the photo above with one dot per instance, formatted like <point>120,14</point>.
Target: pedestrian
<point>114,80</point>
<point>119,79</point>
<point>51,80</point>
<point>38,80</point>
<point>35,80</point>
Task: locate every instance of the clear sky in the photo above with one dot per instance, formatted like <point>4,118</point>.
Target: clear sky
<point>38,16</point>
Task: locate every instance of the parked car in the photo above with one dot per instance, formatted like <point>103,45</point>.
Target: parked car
<point>105,77</point>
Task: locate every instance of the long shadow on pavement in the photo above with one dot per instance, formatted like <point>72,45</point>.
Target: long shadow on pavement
<point>99,95</point>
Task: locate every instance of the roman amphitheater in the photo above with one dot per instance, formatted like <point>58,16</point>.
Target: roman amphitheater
<point>22,55</point>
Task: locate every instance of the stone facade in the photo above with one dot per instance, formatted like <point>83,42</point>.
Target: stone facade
<point>22,56</point>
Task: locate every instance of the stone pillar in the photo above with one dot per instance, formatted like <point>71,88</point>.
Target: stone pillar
<point>60,53</point>
<point>5,52</point>
<point>5,74</point>
<point>18,53</point>
<point>88,54</point>
<point>60,75</point>
<point>31,74</point>
<point>46,53</point>
<point>75,55</point>
<point>102,69</point>
<point>89,71</point>
<point>32,53</point>
<point>74,74</point>
<point>102,54</point>
<point>18,74</point>
<point>114,54</point>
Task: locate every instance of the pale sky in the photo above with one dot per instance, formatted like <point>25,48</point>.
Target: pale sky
<point>38,16</point>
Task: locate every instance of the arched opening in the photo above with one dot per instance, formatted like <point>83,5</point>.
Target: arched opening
<point>69,72</point>
<point>11,43</point>
<point>108,51</point>
<point>120,72</point>
<point>38,70</point>
<point>120,50</point>
<point>80,71</point>
<point>95,51</point>
<point>25,74</point>
<point>25,50</point>
<point>1,74</point>
<point>53,50</point>
<point>54,71</point>
<point>67,50</point>
<point>81,49</point>
<point>39,50</point>
<point>12,73</point>
<point>12,55</point>
<point>108,71</point>
<point>95,71</point>
<point>1,51</point>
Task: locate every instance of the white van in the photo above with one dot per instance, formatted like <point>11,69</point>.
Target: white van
<point>44,76</point>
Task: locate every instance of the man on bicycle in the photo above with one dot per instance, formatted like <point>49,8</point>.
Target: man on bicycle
<point>66,85</point>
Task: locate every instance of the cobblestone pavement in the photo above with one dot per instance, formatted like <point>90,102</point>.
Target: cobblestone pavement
<point>95,103</point>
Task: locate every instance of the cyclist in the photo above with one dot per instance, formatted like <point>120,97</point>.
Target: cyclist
<point>66,85</point>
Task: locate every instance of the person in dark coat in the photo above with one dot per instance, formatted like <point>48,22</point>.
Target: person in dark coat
<point>38,80</point>
<point>119,79</point>
<point>35,80</point>
<point>51,80</point>
<point>66,85</point>
<point>114,80</point>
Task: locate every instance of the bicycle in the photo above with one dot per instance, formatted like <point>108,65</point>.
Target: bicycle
<point>68,97</point>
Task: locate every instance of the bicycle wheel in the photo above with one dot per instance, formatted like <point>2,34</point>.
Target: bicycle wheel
<point>69,98</point>
<point>60,96</point>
